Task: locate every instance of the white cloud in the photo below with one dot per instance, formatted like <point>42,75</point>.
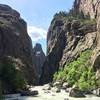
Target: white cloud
<point>37,33</point>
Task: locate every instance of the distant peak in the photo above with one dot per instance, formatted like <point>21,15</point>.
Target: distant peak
<point>5,7</point>
<point>38,47</point>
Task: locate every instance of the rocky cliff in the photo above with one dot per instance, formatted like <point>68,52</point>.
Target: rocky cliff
<point>92,8</point>
<point>15,41</point>
<point>38,60</point>
<point>71,33</point>
<point>88,7</point>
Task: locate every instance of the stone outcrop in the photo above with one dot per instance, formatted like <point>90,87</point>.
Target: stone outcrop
<point>38,60</point>
<point>88,7</point>
<point>92,8</point>
<point>65,39</point>
<point>76,93</point>
<point>15,41</point>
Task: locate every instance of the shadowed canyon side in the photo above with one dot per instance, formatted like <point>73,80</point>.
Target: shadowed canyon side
<point>70,34</point>
<point>15,43</point>
<point>71,67</point>
<point>38,60</point>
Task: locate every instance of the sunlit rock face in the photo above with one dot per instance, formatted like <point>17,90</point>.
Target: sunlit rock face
<point>88,7</point>
<point>38,59</point>
<point>15,41</point>
<point>92,8</point>
<point>66,40</point>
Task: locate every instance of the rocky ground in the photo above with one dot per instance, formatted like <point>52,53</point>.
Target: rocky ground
<point>46,94</point>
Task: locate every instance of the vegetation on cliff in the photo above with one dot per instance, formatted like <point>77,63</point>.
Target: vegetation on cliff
<point>78,72</point>
<point>74,15</point>
<point>67,36</point>
<point>0,91</point>
<point>12,80</point>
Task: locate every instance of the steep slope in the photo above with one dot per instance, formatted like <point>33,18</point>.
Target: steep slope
<point>15,42</point>
<point>88,7</point>
<point>38,60</point>
<point>71,33</point>
<point>92,8</point>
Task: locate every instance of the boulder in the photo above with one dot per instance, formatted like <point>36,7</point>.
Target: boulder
<point>47,87</point>
<point>57,84</point>
<point>76,93</point>
<point>29,93</point>
<point>65,85</point>
<point>56,89</point>
<point>68,89</point>
<point>96,92</point>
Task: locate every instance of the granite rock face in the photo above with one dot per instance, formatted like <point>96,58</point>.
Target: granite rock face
<point>38,60</point>
<point>65,41</point>
<point>15,41</point>
<point>88,7</point>
<point>92,8</point>
<point>96,53</point>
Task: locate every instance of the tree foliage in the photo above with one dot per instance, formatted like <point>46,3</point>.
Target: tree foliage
<point>11,78</point>
<point>74,15</point>
<point>78,72</point>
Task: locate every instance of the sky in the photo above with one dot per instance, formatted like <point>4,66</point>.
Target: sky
<point>38,15</point>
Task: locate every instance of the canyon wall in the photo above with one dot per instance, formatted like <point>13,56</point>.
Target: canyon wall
<point>38,60</point>
<point>67,39</point>
<point>15,42</point>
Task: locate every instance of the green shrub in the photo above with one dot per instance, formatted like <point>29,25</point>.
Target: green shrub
<point>74,15</point>
<point>87,80</point>
<point>1,95</point>
<point>60,75</point>
<point>11,78</point>
<point>78,72</point>
<point>0,92</point>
